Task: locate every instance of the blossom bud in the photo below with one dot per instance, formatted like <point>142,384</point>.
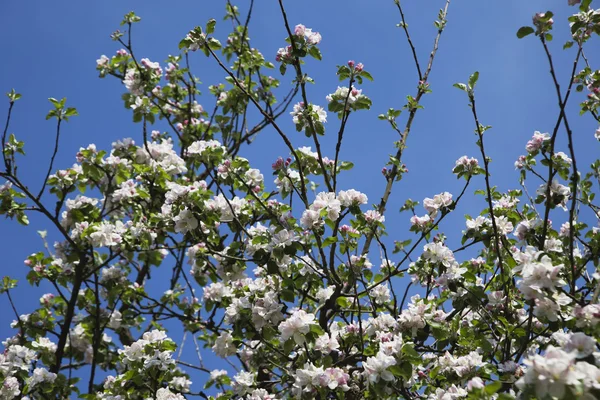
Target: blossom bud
<point>277,164</point>
<point>299,30</point>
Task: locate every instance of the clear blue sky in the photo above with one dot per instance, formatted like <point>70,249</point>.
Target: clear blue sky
<point>49,50</point>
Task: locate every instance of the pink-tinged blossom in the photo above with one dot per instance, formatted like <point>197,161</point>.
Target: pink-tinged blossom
<point>107,234</point>
<point>260,394</point>
<point>413,317</point>
<point>382,323</point>
<point>216,374</point>
<point>10,388</point>
<point>522,228</point>
<point>161,155</point>
<point>200,146</point>
<point>373,216</point>
<point>326,344</point>
<point>475,384</point>
<point>40,375</point>
<point>300,114</point>
<point>352,197</point>
<point>166,394</point>
<point>153,66</point>
<point>334,378</point>
<point>551,373</point>
<point>561,157</point>
<point>328,202</point>
<point>460,365</point>
<point>580,344</point>
<point>360,262</point>
<point>380,294</point>
<point>216,291</point>
<point>283,238</point>
<point>224,346</point>
<point>311,37</point>
<point>377,367</point>
<point>538,276</point>
<point>133,82</point>
<point>290,179</point>
<point>228,209</point>
<point>467,164</point>
<point>504,226</point>
<point>587,316</point>
<point>420,222</point>
<point>521,162</point>
<point>243,382</point>
<point>451,393</point>
<point>496,298</point>
<point>185,221</point>
<point>306,378</point>
<point>480,224</point>
<point>44,344</point>
<point>310,219</point>
<point>103,63</point>
<point>324,294</point>
<point>556,190</point>
<point>536,141</point>
<point>343,95</point>
<point>284,54</point>
<point>296,326</point>
<point>253,177</point>
<point>127,190</point>
<point>438,202</point>
<point>5,187</point>
<point>505,202</point>
<point>437,252</point>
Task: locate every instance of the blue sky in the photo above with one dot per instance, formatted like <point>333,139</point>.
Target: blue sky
<point>50,50</point>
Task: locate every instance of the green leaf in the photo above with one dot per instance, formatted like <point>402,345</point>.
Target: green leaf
<point>524,31</point>
<point>315,53</point>
<point>329,241</point>
<point>473,79</point>
<point>213,43</point>
<point>366,75</point>
<point>410,351</point>
<point>22,218</point>
<point>493,387</point>
<point>346,165</point>
<point>343,302</point>
<point>55,102</point>
<point>13,96</point>
<point>316,329</point>
<point>71,112</point>
<point>460,86</point>
<point>210,26</point>
<point>288,346</point>
<point>585,5</point>
<point>288,295</point>
<point>404,370</point>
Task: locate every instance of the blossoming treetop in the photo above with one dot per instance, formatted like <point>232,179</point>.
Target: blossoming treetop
<point>297,288</point>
